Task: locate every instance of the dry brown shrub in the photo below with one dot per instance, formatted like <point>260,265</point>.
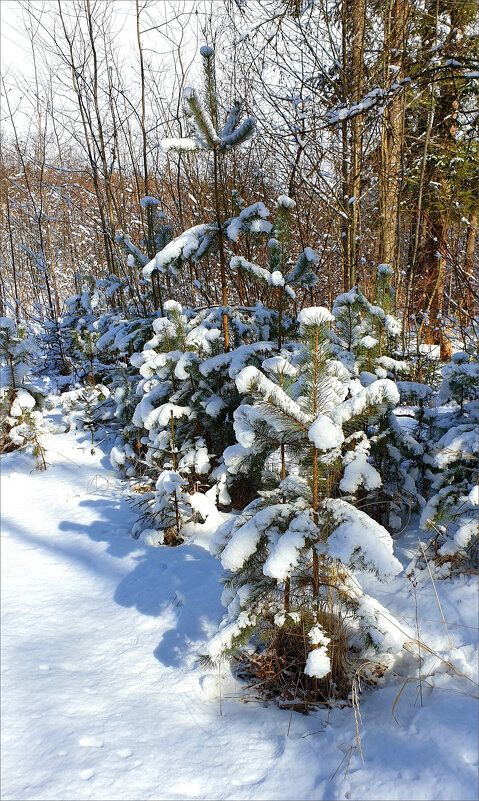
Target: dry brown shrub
<point>276,670</point>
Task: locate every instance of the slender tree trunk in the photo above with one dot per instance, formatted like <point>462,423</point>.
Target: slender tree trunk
<point>469,299</point>
<point>149,211</point>
<point>358,14</point>
<point>353,30</point>
<point>221,251</point>
<point>12,255</point>
<point>100,141</point>
<point>88,145</point>
<point>392,134</point>
<point>434,270</point>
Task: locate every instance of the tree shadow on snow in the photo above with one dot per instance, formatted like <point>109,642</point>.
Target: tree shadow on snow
<point>112,524</point>
<point>179,586</point>
<point>66,550</point>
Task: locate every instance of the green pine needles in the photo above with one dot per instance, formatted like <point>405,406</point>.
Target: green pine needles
<point>292,555</point>
<point>202,117</point>
<point>21,403</point>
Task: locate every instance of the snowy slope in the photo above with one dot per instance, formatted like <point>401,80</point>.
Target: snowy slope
<point>101,696</point>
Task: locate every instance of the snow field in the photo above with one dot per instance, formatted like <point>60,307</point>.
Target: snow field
<point>102,698</point>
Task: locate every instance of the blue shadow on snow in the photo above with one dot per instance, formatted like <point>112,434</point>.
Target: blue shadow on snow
<point>181,586</point>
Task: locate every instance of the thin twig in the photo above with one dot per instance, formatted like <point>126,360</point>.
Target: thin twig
<point>421,544</point>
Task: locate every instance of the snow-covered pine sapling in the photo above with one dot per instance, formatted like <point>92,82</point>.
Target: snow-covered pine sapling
<point>202,116</point>
<point>384,289</point>
<point>166,508</point>
<point>259,456</point>
<point>79,308</point>
<point>396,453</point>
<point>125,337</point>
<point>87,408</point>
<point>163,510</point>
<point>165,394</point>
<point>368,333</point>
<point>279,253</point>
<point>451,513</point>
<point>21,418</point>
<point>85,340</point>
<point>87,317</point>
<point>384,327</point>
<point>183,369</point>
<point>365,332</point>
<point>127,450</point>
<point>136,260</point>
<point>159,383</point>
<point>294,554</point>
<point>158,234</point>
<point>282,276</point>
<point>348,310</point>
<point>150,207</point>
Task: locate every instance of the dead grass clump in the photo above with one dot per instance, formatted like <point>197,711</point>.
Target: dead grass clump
<point>171,538</point>
<point>460,562</point>
<point>276,669</point>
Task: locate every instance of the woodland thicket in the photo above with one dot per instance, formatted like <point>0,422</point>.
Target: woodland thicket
<point>260,288</point>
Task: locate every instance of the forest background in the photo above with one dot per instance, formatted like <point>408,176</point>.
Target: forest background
<point>366,113</point>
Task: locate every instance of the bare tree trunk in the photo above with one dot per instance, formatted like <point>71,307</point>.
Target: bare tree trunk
<point>88,135</point>
<point>12,256</point>
<point>392,134</point>
<point>358,22</point>
<point>469,299</point>
<point>100,141</point>
<point>433,265</point>
<point>149,215</point>
<point>353,30</point>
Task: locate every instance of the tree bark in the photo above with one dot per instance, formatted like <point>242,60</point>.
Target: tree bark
<point>392,135</point>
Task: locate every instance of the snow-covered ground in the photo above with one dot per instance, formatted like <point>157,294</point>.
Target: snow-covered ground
<point>102,698</point>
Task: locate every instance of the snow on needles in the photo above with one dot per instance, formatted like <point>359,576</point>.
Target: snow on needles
<point>361,542</point>
<point>325,434</point>
<point>182,246</point>
<point>316,315</point>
